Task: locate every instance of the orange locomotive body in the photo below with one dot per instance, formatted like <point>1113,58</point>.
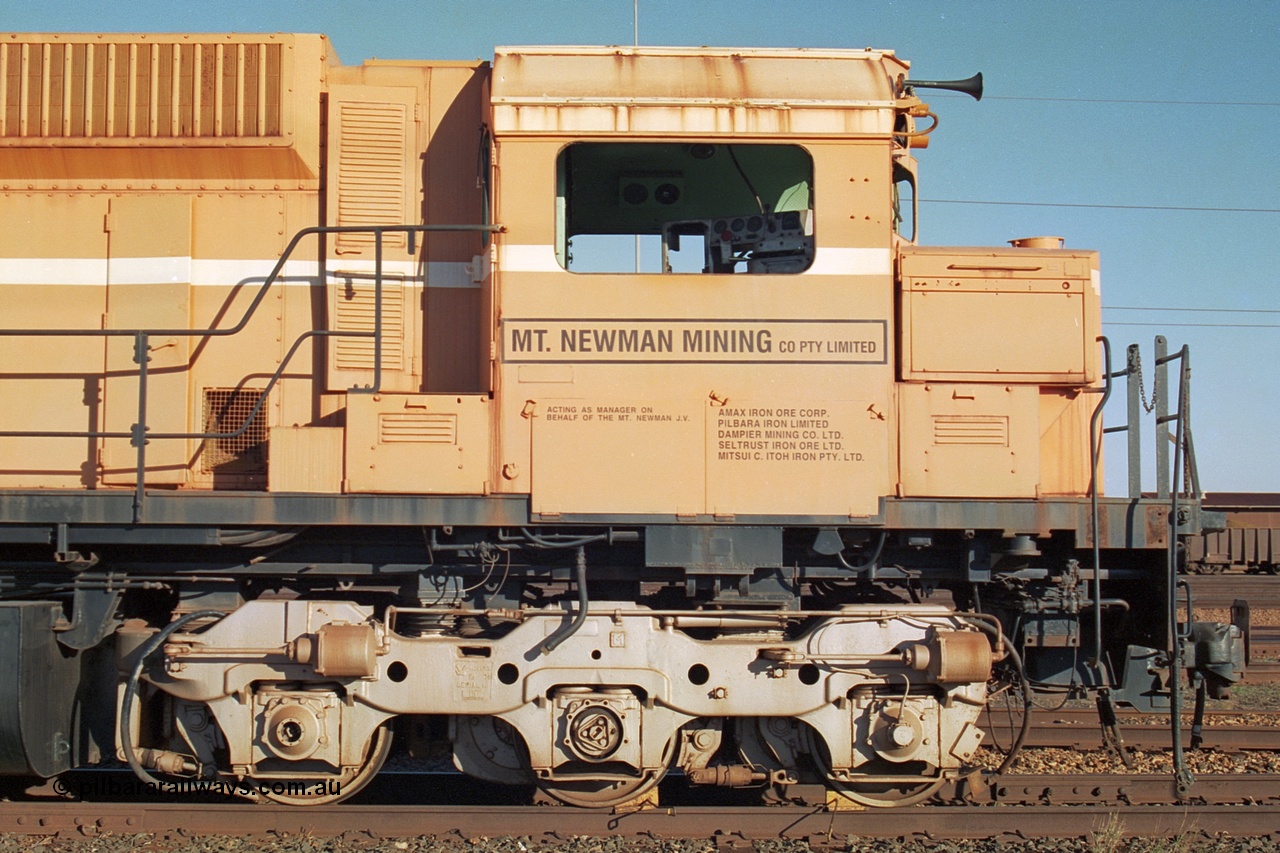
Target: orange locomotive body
<point>598,403</point>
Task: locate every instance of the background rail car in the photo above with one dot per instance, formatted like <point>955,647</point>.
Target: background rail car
<point>335,402</point>
<point>1249,541</point>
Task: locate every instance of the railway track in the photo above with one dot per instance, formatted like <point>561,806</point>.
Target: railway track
<point>1078,728</point>
<point>1009,808</point>
<point>1262,672</point>
<point>1264,655</point>
<point>1218,591</point>
<point>1262,592</point>
<point>1264,641</point>
<point>1029,808</point>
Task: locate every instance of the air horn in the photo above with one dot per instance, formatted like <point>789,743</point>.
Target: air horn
<point>971,86</point>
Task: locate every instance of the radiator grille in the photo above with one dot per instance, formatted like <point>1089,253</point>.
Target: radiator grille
<point>225,411</point>
<point>985,430</point>
<point>417,427</point>
<point>354,312</point>
<point>140,90</point>
<point>371,165</point>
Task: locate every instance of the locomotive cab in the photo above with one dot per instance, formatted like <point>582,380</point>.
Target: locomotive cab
<point>709,326</point>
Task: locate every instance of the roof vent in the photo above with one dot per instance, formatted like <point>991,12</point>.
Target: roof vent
<point>1037,243</point>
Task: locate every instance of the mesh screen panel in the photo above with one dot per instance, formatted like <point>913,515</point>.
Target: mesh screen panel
<point>225,411</point>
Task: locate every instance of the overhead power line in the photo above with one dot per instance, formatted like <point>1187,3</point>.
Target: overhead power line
<point>1157,309</point>
<point>1196,310</point>
<point>1224,103</point>
<point>1138,101</point>
<point>1102,206</point>
<point>1198,325</point>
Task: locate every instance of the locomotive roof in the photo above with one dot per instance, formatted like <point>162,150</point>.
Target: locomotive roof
<point>757,75</point>
<point>701,89</point>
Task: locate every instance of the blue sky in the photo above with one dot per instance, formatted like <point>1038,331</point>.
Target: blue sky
<point>1095,113</point>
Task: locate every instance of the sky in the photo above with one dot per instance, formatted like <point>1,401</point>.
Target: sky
<point>1143,130</point>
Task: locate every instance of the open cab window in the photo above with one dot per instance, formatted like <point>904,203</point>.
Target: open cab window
<point>904,200</point>
<point>684,208</point>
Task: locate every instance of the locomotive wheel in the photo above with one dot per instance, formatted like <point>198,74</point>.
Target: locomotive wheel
<point>608,793</point>
<point>882,795</point>
<point>601,793</point>
<point>876,795</point>
<point>345,784</point>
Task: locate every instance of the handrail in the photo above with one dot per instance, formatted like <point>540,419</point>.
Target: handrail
<point>1183,780</point>
<point>1095,452</point>
<point>1173,478</point>
<point>139,434</point>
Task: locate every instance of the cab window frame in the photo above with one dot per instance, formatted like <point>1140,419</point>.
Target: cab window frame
<point>690,207</point>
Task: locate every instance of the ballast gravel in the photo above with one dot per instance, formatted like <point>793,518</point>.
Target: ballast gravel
<point>1099,842</point>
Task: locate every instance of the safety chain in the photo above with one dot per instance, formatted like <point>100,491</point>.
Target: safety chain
<point>1142,391</point>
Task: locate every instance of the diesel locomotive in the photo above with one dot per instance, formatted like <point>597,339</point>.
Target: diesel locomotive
<point>588,415</point>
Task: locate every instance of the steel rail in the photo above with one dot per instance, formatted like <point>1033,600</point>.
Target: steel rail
<point>1261,591</point>
<point>1072,728</point>
<point>1146,790</point>
<point>818,825</point>
<point>1262,672</point>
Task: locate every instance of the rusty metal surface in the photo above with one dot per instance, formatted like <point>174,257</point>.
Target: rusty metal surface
<point>1133,790</point>
<point>1249,501</point>
<point>249,508</point>
<point>1264,642</point>
<point>1250,538</point>
<point>560,75</point>
<point>964,656</point>
<point>1246,543</point>
<point>1262,672</point>
<point>1123,523</point>
<point>817,825</point>
<point>1078,728</point>
<point>1217,591</point>
<point>234,508</point>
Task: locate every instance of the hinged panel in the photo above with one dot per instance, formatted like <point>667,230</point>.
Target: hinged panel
<point>305,459</point>
<point>417,443</point>
<point>353,308</point>
<point>54,272</point>
<point>972,315</point>
<point>974,441</point>
<point>777,455</point>
<point>372,158</point>
<point>373,181</point>
<point>148,288</point>
<point>617,455</point>
<point>995,337</point>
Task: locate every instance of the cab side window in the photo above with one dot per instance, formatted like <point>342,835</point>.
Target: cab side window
<point>709,208</point>
<point>904,203</point>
